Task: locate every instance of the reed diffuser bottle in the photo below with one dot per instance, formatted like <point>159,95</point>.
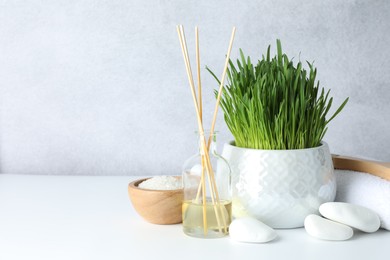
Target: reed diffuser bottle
<point>207,204</point>
<point>206,176</point>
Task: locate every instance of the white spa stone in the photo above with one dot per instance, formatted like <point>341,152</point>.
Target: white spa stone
<point>251,230</point>
<point>352,215</point>
<point>322,228</point>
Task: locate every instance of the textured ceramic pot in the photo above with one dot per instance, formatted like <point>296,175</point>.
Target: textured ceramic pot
<point>280,187</point>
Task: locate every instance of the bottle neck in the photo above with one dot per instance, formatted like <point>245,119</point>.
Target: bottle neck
<point>210,141</point>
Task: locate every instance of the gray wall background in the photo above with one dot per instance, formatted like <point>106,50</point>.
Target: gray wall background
<point>99,87</point>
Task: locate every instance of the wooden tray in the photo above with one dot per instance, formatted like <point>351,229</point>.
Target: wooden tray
<point>380,169</point>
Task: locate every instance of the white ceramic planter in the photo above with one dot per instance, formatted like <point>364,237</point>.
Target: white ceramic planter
<point>280,187</point>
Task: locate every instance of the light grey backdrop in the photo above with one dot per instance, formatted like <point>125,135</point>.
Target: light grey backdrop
<point>99,87</point>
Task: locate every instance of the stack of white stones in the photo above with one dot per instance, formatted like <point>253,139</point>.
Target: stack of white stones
<point>340,219</point>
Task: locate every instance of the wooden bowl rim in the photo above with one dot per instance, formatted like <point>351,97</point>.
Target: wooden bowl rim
<point>134,185</point>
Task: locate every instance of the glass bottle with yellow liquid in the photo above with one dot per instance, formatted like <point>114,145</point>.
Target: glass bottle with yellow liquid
<point>207,204</point>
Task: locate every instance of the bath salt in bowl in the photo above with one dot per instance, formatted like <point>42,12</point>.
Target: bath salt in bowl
<point>162,183</point>
<point>158,200</point>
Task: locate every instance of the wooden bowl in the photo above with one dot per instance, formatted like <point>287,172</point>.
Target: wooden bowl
<point>156,206</point>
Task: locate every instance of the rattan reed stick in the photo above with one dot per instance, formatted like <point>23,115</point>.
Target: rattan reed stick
<point>214,191</point>
<point>183,45</point>
<point>215,117</point>
<point>198,73</point>
<point>221,86</point>
<point>204,202</point>
<point>200,106</point>
<point>213,182</point>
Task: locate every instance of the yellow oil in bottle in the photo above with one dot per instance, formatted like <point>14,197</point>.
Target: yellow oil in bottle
<point>193,218</point>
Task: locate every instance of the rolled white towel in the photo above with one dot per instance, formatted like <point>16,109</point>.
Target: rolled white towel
<point>365,190</point>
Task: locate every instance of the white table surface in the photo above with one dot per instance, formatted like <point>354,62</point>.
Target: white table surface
<point>91,217</point>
